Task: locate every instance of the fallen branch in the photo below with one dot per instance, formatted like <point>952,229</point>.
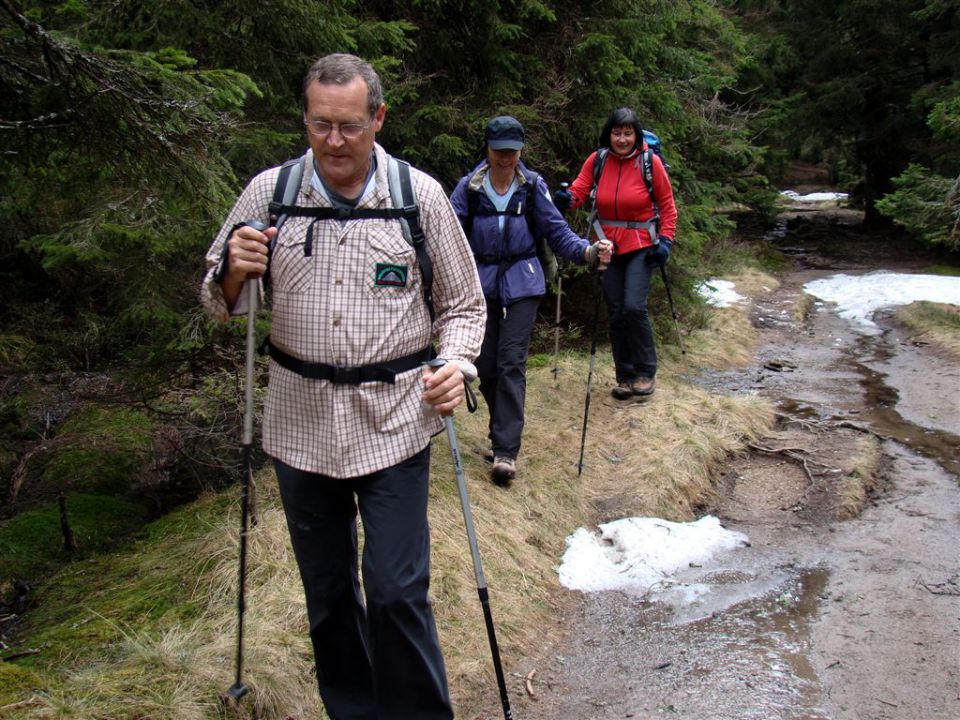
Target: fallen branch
<point>945,588</point>
<point>528,682</point>
<point>18,655</point>
<point>22,704</point>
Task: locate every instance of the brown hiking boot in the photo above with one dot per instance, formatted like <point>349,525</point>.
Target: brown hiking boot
<point>643,386</point>
<point>623,391</point>
<point>503,472</point>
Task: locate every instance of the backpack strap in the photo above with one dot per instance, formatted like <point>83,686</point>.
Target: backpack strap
<point>527,207</point>
<point>403,198</point>
<point>405,209</point>
<point>646,162</point>
<point>599,160</point>
<point>285,191</point>
<point>646,171</point>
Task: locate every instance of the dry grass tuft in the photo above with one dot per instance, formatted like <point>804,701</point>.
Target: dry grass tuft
<point>854,487</point>
<point>936,323</point>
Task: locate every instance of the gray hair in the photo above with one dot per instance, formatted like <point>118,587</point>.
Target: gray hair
<point>341,68</point>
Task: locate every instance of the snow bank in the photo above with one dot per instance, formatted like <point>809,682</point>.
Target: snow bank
<point>859,296</point>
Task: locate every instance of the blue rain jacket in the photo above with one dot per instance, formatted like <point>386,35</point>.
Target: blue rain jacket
<point>507,261</point>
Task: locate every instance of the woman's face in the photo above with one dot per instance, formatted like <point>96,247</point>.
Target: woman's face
<point>503,161</point>
<point>623,138</point>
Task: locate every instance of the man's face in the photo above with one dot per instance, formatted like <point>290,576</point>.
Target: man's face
<point>342,162</point>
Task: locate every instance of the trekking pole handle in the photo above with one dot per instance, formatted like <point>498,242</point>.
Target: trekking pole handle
<point>469,372</point>
<point>467,369</point>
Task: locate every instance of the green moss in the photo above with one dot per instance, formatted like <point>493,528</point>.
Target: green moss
<point>31,543</point>
<point>82,610</point>
<point>99,449</point>
<point>951,270</point>
<point>16,683</point>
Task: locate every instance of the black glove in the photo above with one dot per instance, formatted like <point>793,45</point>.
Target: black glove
<point>658,254</point>
<point>562,199</point>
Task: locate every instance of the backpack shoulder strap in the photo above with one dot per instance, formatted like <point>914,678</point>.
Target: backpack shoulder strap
<point>404,198</point>
<point>533,182</point>
<point>599,160</point>
<point>285,190</point>
<point>646,165</point>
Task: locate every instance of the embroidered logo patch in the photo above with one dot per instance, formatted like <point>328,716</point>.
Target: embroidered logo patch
<point>390,275</point>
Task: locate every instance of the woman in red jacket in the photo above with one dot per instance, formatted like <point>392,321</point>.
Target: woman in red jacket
<point>642,228</point>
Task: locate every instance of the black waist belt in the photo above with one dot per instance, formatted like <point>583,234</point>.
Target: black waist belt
<point>384,372</point>
<point>504,261</point>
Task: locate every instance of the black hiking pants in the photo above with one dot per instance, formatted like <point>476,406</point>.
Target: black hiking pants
<point>382,661</point>
<point>626,283</point>
<point>502,369</point>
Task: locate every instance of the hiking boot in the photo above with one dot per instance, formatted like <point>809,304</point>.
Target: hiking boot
<point>623,391</point>
<point>643,386</point>
<point>503,471</point>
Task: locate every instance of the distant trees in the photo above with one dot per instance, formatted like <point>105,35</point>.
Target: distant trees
<point>868,86</point>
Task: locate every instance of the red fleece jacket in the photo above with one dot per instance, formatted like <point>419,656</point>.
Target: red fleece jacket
<point>622,195</point>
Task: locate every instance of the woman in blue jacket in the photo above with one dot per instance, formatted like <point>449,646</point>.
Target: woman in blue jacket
<point>504,207</point>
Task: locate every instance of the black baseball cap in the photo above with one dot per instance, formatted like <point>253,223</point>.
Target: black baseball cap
<point>504,133</point>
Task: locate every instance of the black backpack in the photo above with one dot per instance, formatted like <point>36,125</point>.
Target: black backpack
<point>405,209</point>
<point>527,206</point>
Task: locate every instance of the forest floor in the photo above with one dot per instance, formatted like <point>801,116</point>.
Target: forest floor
<point>846,604</point>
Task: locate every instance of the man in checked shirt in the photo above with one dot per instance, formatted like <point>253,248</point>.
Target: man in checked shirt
<point>342,444</point>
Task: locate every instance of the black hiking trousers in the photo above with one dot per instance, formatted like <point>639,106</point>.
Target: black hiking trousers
<point>626,284</point>
<point>382,661</point>
<point>502,370</point>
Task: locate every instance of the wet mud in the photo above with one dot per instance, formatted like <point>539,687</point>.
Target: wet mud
<point>829,614</point>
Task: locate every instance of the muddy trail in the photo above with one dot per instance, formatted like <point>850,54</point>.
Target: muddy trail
<point>842,607</point>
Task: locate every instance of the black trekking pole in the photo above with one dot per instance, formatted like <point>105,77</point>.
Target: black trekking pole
<point>238,689</point>
<point>593,357</point>
<point>474,549</point>
<point>673,312</point>
<point>556,332</point>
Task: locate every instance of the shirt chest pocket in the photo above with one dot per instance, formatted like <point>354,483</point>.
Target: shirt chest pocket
<point>390,262</point>
<point>293,265</point>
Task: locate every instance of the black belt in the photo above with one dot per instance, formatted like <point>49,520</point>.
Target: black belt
<point>505,260</point>
<point>384,372</point>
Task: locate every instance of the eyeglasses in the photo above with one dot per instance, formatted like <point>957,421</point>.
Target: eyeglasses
<point>322,128</point>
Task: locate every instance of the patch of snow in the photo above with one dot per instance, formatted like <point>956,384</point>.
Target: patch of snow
<point>858,296</point>
<point>719,293</point>
<point>637,554</point>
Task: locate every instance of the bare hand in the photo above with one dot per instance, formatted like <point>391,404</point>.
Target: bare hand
<point>605,252</point>
<point>443,387</point>
<point>249,252</point>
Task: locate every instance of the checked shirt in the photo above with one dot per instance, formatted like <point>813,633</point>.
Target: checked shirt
<point>352,298</point>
